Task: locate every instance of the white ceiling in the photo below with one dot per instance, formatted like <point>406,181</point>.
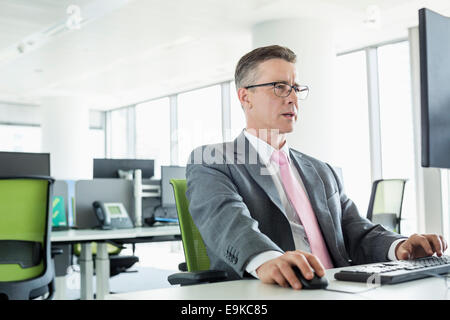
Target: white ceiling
<point>132,50</point>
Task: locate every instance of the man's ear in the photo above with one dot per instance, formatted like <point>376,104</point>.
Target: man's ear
<point>243,95</point>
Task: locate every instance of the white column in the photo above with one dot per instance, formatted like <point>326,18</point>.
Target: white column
<point>174,138</point>
<point>429,195</point>
<point>65,129</point>
<point>226,111</point>
<point>376,159</point>
<point>312,41</point>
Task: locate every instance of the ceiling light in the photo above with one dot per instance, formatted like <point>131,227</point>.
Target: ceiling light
<point>373,17</point>
<point>91,12</point>
<point>74,18</point>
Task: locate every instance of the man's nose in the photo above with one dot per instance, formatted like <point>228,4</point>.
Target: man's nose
<point>292,97</point>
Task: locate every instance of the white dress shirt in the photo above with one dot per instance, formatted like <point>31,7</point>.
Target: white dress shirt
<point>299,235</point>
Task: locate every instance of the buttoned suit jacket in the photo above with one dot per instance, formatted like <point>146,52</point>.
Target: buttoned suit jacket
<point>236,207</point>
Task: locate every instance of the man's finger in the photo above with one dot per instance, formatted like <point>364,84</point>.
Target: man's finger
<point>404,250</point>
<point>404,253</point>
<point>278,277</point>
<point>436,244</point>
<point>289,275</point>
<point>316,265</point>
<point>302,263</point>
<point>422,242</point>
<point>444,243</point>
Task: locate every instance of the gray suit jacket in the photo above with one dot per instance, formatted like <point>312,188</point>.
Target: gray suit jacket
<point>239,214</point>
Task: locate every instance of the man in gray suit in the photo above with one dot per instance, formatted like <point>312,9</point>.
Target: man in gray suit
<point>243,203</point>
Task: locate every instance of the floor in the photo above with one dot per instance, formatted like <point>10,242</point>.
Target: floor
<point>156,262</point>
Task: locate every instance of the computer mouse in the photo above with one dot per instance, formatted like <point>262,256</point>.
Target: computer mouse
<point>315,283</point>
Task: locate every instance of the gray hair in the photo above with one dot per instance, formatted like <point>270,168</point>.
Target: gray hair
<point>245,72</point>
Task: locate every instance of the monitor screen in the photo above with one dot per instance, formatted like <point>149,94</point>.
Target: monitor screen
<point>24,164</point>
<point>109,168</point>
<point>167,173</point>
<point>434,35</point>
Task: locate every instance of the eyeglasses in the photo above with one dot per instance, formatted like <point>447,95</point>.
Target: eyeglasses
<point>283,90</point>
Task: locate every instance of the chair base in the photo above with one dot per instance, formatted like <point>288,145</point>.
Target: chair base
<point>119,264</point>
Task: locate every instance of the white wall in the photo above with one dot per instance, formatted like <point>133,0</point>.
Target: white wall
<point>312,41</point>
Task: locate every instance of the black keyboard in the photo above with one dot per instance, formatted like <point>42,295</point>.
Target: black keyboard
<point>396,271</point>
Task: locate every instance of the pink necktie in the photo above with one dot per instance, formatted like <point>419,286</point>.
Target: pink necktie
<point>302,206</point>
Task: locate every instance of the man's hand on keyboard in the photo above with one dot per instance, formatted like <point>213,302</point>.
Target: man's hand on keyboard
<point>421,245</point>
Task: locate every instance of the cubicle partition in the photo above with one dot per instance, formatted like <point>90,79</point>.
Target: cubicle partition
<point>109,190</point>
<point>61,189</point>
<point>62,261</point>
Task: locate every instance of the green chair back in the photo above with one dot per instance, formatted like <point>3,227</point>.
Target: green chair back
<point>193,245</point>
<point>23,219</point>
<point>26,266</point>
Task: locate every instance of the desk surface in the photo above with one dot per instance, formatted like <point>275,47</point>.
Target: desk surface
<point>75,235</point>
<point>253,289</point>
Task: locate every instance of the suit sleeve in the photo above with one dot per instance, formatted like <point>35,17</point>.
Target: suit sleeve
<point>365,242</point>
<point>223,219</point>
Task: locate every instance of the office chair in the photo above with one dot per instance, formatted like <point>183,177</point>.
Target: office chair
<point>197,262</point>
<point>117,263</point>
<point>385,205</point>
<point>26,266</point>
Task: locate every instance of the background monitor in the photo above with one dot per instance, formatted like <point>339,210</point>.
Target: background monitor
<point>108,168</point>
<point>434,39</point>
<point>24,164</point>
<point>167,173</point>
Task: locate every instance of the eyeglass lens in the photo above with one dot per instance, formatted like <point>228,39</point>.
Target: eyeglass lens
<point>284,90</point>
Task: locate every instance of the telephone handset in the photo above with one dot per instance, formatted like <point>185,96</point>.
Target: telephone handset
<point>111,215</point>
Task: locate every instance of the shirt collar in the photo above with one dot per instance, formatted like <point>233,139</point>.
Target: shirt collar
<point>264,149</point>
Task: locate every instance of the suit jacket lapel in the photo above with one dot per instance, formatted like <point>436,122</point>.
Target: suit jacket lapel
<point>248,156</point>
<point>318,198</point>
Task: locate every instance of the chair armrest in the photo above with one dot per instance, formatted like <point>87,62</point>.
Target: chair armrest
<point>197,277</point>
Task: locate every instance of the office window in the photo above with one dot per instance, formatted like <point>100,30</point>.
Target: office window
<point>97,142</point>
<point>153,132</point>
<point>19,138</point>
<point>237,113</point>
<point>352,116</point>
<point>119,133</point>
<point>199,120</point>
<point>396,124</point>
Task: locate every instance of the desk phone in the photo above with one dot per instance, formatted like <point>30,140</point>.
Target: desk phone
<point>112,215</point>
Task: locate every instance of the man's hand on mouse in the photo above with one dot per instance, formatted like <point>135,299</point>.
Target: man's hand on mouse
<point>280,271</point>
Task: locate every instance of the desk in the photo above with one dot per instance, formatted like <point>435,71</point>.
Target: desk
<point>253,289</point>
<point>85,237</point>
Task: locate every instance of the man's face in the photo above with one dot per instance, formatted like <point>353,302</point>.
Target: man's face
<point>265,110</point>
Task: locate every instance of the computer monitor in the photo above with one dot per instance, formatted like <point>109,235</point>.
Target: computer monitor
<point>109,168</point>
<point>167,173</point>
<point>24,164</point>
<point>434,35</point>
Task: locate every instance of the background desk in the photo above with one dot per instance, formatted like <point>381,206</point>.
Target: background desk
<point>253,289</point>
<point>85,237</point>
